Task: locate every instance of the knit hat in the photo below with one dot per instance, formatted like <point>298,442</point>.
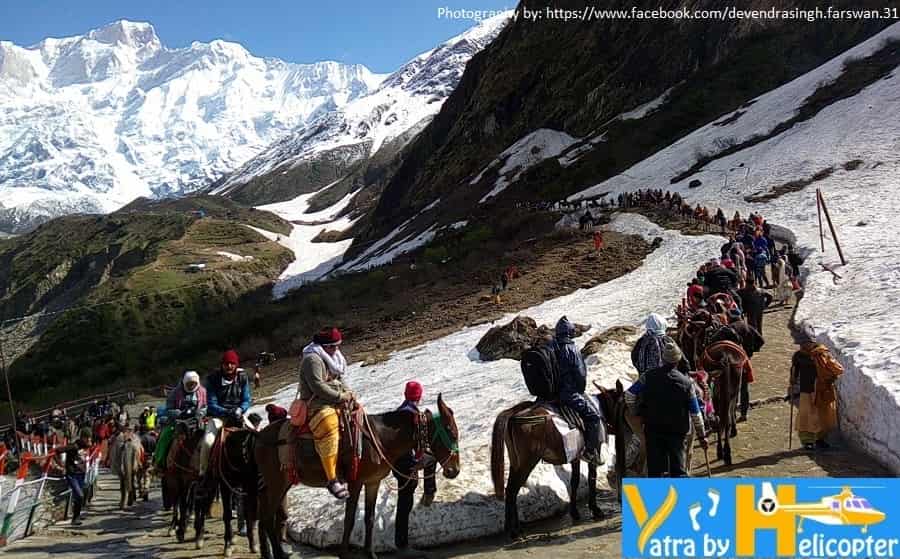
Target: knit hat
<point>328,336</point>
<point>671,353</point>
<point>190,376</point>
<point>230,356</point>
<point>413,392</point>
<point>276,413</point>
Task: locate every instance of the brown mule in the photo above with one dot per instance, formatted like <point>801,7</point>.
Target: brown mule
<point>623,426</point>
<point>527,431</point>
<point>179,482</point>
<point>233,473</point>
<point>389,436</point>
<point>725,362</point>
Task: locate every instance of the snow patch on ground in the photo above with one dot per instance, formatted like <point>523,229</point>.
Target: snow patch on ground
<point>234,257</point>
<point>477,391</point>
<point>854,317</point>
<point>312,260</point>
<point>530,150</point>
<point>647,108</point>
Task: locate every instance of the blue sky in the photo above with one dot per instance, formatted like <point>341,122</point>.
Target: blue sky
<point>382,34</point>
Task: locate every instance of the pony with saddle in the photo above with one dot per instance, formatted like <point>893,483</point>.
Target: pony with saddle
<point>542,430</point>
<point>286,458</point>
<point>725,362</point>
<point>231,472</point>
<point>179,481</point>
<point>535,431</point>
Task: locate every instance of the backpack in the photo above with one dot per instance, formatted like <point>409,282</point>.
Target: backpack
<point>828,369</point>
<point>540,371</point>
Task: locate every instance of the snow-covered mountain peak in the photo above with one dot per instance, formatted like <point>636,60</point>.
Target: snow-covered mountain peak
<point>138,35</point>
<point>404,100</point>
<point>114,114</point>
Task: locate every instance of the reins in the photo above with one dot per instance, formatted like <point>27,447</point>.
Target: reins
<point>440,432</point>
<point>219,460</point>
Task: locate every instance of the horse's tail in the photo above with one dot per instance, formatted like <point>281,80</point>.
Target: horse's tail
<point>498,451</point>
<point>498,443</point>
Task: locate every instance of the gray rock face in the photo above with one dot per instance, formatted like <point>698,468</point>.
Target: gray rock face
<point>510,340</point>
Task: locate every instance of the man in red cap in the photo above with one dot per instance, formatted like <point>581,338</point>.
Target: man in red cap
<point>322,387</point>
<point>228,398</point>
<point>407,476</point>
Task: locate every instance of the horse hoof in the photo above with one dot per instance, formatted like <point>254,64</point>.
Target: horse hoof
<point>229,551</point>
<point>576,516</point>
<point>199,544</point>
<point>180,537</point>
<point>598,514</point>
<point>253,548</point>
<point>170,532</point>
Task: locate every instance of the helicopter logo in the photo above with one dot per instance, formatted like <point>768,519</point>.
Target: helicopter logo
<point>842,509</point>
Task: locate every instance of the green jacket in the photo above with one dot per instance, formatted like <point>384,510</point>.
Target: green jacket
<point>317,385</point>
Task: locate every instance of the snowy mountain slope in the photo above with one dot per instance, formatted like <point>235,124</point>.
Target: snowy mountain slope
<point>849,149</point>
<point>406,98</point>
<point>312,260</point>
<point>100,119</point>
<point>476,391</point>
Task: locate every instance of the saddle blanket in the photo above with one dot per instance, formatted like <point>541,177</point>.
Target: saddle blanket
<point>573,440</point>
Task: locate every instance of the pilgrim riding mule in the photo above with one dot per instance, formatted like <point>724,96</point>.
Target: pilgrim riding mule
<point>387,438</point>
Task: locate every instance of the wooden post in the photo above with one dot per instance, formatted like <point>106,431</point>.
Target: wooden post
<point>831,227</point>
<point>819,209</point>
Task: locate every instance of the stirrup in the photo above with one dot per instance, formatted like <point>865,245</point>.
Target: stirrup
<point>338,489</point>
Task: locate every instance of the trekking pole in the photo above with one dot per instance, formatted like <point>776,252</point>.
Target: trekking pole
<point>706,456</point>
<point>791,424</point>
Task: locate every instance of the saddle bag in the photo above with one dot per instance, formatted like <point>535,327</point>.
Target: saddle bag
<point>298,412</point>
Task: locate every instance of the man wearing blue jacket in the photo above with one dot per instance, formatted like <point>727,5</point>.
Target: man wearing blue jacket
<point>572,384</point>
<point>227,400</point>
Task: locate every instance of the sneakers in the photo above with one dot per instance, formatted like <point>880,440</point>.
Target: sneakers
<point>338,489</point>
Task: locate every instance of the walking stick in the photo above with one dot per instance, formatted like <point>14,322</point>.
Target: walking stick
<point>791,424</point>
<point>706,456</point>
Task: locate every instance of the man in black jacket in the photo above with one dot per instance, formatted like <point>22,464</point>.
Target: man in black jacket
<point>669,407</point>
<point>720,279</point>
<point>76,468</point>
<point>753,302</point>
<point>572,384</point>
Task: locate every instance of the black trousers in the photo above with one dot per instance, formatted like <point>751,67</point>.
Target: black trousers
<point>665,454</point>
<point>405,494</point>
<point>589,415</point>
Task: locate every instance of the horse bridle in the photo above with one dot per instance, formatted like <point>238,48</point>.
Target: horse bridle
<point>422,441</point>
